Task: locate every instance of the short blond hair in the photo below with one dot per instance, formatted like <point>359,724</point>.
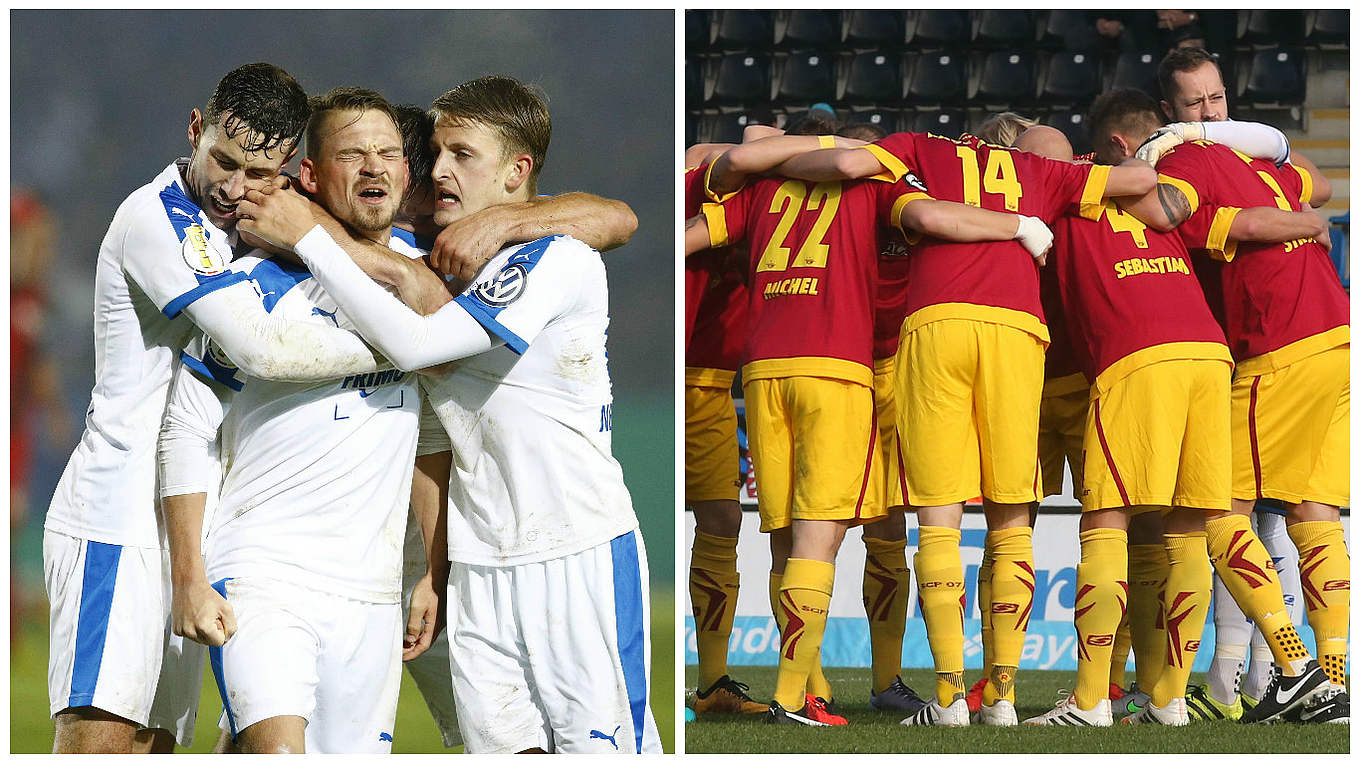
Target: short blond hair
<point>1002,128</point>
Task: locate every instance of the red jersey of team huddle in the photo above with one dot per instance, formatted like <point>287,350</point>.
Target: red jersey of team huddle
<point>890,303</point>
<point>715,300</point>
<point>1130,295</point>
<point>1281,301</point>
<point>814,254</point>
<point>993,282</point>
<point>697,271</point>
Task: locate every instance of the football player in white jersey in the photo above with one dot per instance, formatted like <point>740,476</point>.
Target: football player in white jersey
<point>548,586</point>
<point>162,269</point>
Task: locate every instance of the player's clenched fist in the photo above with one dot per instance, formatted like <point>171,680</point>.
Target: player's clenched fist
<point>201,614</point>
<point>281,216</point>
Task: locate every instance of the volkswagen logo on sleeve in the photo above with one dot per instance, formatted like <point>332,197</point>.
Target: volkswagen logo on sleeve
<point>503,289</point>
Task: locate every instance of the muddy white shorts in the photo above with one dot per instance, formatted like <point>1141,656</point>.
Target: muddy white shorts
<point>554,654</point>
<point>332,660</point>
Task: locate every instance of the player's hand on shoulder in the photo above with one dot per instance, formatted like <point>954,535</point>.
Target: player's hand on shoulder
<point>464,246</point>
<point>201,614</point>
<point>280,217</point>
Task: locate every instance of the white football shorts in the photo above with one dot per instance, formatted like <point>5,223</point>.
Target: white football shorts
<point>554,654</point>
<point>332,660</point>
<point>110,632</point>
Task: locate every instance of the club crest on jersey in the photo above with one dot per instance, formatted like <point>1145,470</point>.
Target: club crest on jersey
<point>199,254</point>
<point>914,181</point>
<point>503,289</point>
<point>219,357</point>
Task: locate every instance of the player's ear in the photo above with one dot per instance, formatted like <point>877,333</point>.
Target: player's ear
<point>195,127</point>
<point>307,176</point>
<point>1121,146</point>
<point>1166,109</point>
<point>521,167</point>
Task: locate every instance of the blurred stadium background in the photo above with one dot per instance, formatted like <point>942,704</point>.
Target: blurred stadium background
<point>99,103</point>
<point>945,71</point>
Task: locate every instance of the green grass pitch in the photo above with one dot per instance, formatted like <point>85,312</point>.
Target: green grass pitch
<point>30,728</point>
<point>870,731</point>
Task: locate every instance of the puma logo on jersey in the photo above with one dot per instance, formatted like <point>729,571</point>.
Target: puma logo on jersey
<point>597,734</point>
<point>384,737</point>
<point>317,310</point>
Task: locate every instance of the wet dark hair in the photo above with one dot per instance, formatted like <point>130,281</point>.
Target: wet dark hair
<point>262,101</point>
<point>1181,60</point>
<point>344,99</point>
<point>416,127</point>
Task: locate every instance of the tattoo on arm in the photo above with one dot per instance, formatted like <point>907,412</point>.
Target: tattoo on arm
<point>1174,203</point>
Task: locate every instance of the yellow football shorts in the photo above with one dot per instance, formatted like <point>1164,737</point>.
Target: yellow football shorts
<point>886,410</point>
<point>968,412</point>
<point>814,448</point>
<point>1062,428</point>
<point>1291,431</point>
<point>712,459</point>
<point>1160,437</point>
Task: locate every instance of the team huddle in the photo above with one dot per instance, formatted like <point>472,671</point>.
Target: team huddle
<point>922,321</point>
<point>307,450</point>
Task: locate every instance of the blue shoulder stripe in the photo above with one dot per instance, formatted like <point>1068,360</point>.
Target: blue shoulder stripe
<point>408,236</point>
<point>206,285</point>
<point>211,370</point>
<point>275,278</point>
<point>485,311</point>
<point>182,211</point>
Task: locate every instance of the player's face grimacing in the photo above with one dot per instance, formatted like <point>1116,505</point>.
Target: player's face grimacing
<point>359,172</point>
<point>221,169</point>
<point>1200,95</point>
<point>471,171</point>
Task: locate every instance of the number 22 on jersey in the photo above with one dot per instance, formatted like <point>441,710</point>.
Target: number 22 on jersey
<point>791,199</point>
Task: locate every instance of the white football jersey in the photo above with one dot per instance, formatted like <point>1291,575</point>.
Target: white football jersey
<point>529,422</point>
<point>317,475</point>
<point>160,255</point>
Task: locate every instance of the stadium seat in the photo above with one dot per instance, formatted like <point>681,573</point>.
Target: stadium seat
<point>817,29</point>
<point>937,78</point>
<point>1058,27</point>
<point>1072,77</point>
<point>1007,77</point>
<point>1273,27</point>
<point>879,29</point>
<point>886,118</point>
<point>935,28</point>
<point>807,78</point>
<point>745,30</point>
<point>1005,29</point>
<point>1330,27</point>
<point>694,83</point>
<point>696,30</point>
<point>948,122</point>
<point>1137,69</point>
<point>874,78</point>
<point>1073,124</point>
<point>742,78</point>
<point>1275,76</point>
<point>691,128</point>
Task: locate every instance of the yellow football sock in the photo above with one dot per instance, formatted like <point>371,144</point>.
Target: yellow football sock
<point>1119,653</point>
<point>713,583</point>
<point>1325,575</point>
<point>1010,605</point>
<point>817,684</point>
<point>1102,594</point>
<point>1189,587</point>
<point>1246,570</point>
<point>803,599</point>
<point>939,582</point>
<point>1147,578</point>
<point>886,591</point>
<point>984,601</point>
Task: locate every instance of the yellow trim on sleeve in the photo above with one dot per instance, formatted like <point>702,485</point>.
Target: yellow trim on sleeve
<point>1094,211</point>
<point>708,191</point>
<point>1185,187</point>
<point>1093,194</point>
<point>1218,244</point>
<point>900,204</point>
<point>709,377</point>
<point>716,216</point>
<point>826,141</point>
<point>1306,194</point>
<point>893,168</point>
<point>808,366</point>
<point>1292,352</point>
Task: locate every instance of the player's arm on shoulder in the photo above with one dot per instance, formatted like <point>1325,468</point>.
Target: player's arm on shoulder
<point>464,246</point>
<point>1132,177</point>
<point>961,223</point>
<point>730,170</point>
<point>702,153</point>
<point>410,341</point>
<point>696,234</point>
<point>188,430</point>
<point>1265,224</point>
<point>830,164</point>
<point>1322,187</point>
<point>1164,208</point>
<point>417,285</point>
